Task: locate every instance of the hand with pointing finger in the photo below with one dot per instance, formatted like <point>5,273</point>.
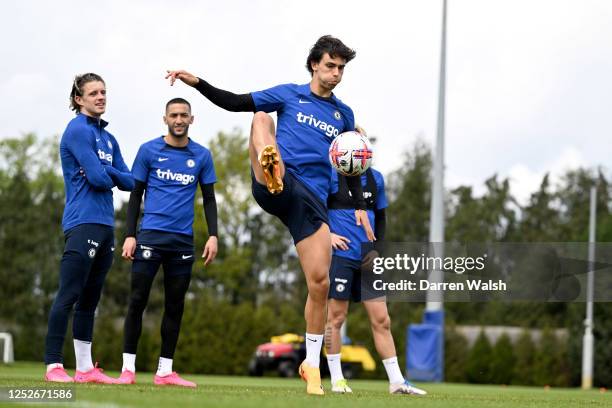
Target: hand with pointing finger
<point>184,76</point>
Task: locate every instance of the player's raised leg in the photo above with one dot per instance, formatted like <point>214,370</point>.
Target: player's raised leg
<point>266,162</point>
<point>336,315</point>
<point>380,323</point>
<point>315,257</point>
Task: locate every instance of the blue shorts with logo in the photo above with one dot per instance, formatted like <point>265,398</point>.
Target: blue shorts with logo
<point>345,281</point>
<point>296,206</point>
<point>174,251</point>
<point>90,242</point>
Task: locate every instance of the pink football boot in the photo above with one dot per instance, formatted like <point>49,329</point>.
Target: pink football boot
<point>172,379</point>
<point>127,377</point>
<point>95,375</point>
<point>58,374</point>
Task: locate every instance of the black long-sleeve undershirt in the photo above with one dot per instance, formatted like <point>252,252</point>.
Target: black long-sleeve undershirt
<point>210,208</point>
<point>225,99</point>
<point>380,224</point>
<point>134,207</point>
<point>208,201</point>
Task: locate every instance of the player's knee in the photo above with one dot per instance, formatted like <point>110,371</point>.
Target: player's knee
<point>66,300</point>
<point>336,318</point>
<point>138,302</point>
<point>381,323</point>
<point>322,285</point>
<point>82,313</point>
<point>175,309</point>
<point>262,120</point>
<point>319,285</point>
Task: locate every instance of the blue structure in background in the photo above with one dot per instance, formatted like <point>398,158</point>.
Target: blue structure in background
<point>425,348</point>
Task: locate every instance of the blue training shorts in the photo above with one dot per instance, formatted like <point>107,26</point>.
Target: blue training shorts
<point>345,281</point>
<point>296,206</point>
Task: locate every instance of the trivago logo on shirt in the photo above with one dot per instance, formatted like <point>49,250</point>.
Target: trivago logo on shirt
<point>180,177</point>
<point>330,130</point>
<point>105,156</point>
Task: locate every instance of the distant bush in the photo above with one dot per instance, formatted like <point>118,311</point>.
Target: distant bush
<point>478,366</point>
<point>503,361</point>
<point>525,352</point>
<point>455,356</point>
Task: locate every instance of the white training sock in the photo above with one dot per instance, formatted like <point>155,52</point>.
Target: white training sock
<point>314,342</point>
<point>129,362</point>
<point>54,365</point>
<point>82,352</point>
<point>393,371</point>
<point>335,367</point>
<point>164,367</point>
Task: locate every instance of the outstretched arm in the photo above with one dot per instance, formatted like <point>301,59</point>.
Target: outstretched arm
<point>223,99</point>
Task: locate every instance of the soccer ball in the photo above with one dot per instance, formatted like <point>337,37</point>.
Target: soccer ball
<point>350,153</point>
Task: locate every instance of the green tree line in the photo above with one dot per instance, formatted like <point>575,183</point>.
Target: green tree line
<point>255,288</point>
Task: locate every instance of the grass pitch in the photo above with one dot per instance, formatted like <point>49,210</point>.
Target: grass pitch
<point>222,391</point>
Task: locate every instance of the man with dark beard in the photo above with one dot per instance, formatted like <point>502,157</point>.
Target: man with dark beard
<point>168,168</point>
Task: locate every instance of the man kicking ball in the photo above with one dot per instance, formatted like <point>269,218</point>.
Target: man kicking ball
<point>168,168</point>
<point>291,170</point>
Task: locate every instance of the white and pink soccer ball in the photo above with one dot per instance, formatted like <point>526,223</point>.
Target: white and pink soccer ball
<point>350,153</point>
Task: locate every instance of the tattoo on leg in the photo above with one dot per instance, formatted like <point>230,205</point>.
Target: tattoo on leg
<point>328,337</point>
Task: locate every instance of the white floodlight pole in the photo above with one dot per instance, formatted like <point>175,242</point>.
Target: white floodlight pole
<point>436,224</point>
<point>587,339</point>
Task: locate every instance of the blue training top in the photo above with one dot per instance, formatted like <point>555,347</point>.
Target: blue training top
<point>92,165</point>
<point>170,174</point>
<point>342,222</point>
<point>307,124</point>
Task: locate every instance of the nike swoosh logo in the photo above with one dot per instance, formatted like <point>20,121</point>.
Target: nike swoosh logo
<point>162,159</point>
<point>311,339</point>
<point>301,101</point>
<point>97,140</point>
<point>186,256</point>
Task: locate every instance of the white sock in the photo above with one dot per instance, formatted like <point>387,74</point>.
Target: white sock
<point>54,365</point>
<point>164,367</point>
<point>313,349</point>
<point>335,368</point>
<point>393,371</point>
<point>82,352</point>
<point>129,362</point>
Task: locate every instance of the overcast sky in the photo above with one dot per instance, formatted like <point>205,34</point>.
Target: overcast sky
<point>528,81</point>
